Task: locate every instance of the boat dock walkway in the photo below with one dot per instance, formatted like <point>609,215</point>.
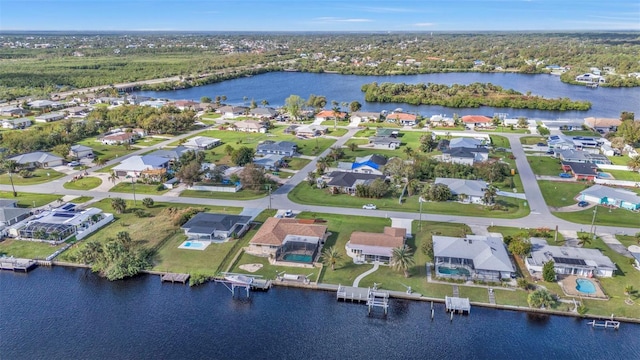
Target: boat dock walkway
<point>456,304</point>
<point>17,264</point>
<point>607,324</point>
<point>174,277</point>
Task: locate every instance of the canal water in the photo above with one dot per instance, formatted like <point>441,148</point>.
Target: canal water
<point>276,87</point>
<point>62,313</point>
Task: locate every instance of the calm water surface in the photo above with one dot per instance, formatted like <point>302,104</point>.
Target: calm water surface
<point>64,313</point>
<point>276,87</point>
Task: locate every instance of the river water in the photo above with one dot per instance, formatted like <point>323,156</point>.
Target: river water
<point>62,313</point>
<point>276,87</point>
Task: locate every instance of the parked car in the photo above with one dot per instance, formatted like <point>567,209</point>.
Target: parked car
<point>74,163</point>
<point>583,203</point>
<point>288,213</point>
<point>541,144</point>
<point>565,175</point>
<point>551,152</point>
<point>369,207</point>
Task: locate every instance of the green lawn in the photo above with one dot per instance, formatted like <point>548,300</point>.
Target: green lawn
<point>624,175</point>
<point>149,141</point>
<point>297,163</point>
<point>106,152</point>
<point>28,199</point>
<point>337,132</point>
<point>532,140</point>
<point>38,176</point>
<point>512,231</point>
<point>305,194</point>
<point>559,193</point>
<point>27,249</point>
<point>545,165</point>
<point>604,216</point>
<point>240,195</point>
<point>127,187</point>
<point>582,133</point>
<point>82,199</point>
<point>330,123</point>
<point>500,141</point>
<point>107,169</point>
<point>619,160</point>
<point>86,183</point>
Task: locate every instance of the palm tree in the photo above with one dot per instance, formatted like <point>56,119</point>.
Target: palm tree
<point>408,151</point>
<point>330,256</point>
<point>336,113</point>
<point>402,259</point>
<point>584,239</point>
<point>489,196</point>
<point>634,163</point>
<point>11,166</point>
<point>322,164</point>
<point>628,290</point>
<point>352,146</point>
<point>119,205</point>
<point>113,177</point>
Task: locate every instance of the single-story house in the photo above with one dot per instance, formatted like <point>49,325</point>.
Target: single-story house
<point>77,111</point>
<point>276,232</point>
<point>263,112</point>
<point>49,117</point>
<point>563,124</point>
<point>579,156</point>
<point>403,119</point>
<point>153,103</point>
<point>441,120</point>
<point>310,131</point>
<point>215,227</point>
<point>590,78</point>
<point>20,123</point>
<point>171,154</point>
<point>635,252</point>
<point>13,111</point>
<point>250,126</point>
<point>387,132</point>
<point>330,115</point>
<point>119,138</point>
<point>568,260</point>
<point>610,196</point>
<point>80,151</point>
<point>43,104</point>
<point>370,164</point>
<point>385,142</point>
<point>365,116</point>
<point>581,171</point>
<point>10,215</point>
<point>477,121</point>
<point>57,225</point>
<point>201,143</point>
<point>285,148</point>
<point>232,112</point>
<point>371,247</point>
<point>269,162</point>
<point>186,105</point>
<point>472,257</point>
<point>465,142</point>
<point>346,182</point>
<point>38,159</point>
<point>463,155</point>
<point>135,165</point>
<point>607,150</point>
<point>467,191</point>
<point>602,125</point>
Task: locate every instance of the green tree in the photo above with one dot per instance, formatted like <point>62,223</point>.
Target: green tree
<point>330,256</point>
<point>427,247</point>
<point>584,239</point>
<point>489,196</point>
<point>540,298</point>
<point>252,177</point>
<point>228,149</point>
<point>402,259</point>
<point>205,100</point>
<point>113,177</point>
<point>10,166</point>
<point>118,204</point>
<point>519,246</point>
<point>124,239</point>
<point>242,156</point>
<point>294,104</point>
<point>148,202</point>
<point>311,178</point>
<point>62,150</point>
<point>352,146</point>
<point>190,173</point>
<point>336,112</point>
<point>634,163</point>
<point>549,271</point>
<point>628,289</point>
<point>354,106</point>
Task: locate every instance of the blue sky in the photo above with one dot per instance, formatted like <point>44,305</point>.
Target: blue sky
<point>319,15</point>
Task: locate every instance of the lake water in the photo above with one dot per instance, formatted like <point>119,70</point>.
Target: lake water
<point>62,313</point>
<point>276,87</point>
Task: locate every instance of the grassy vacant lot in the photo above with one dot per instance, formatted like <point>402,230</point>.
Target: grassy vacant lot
<point>106,152</point>
<point>614,287</point>
<point>559,193</point>
<point>38,176</point>
<point>86,183</point>
<point>149,141</point>
<point>305,194</point>
<point>619,160</point>
<point>582,133</point>
<point>27,249</point>
<point>532,140</point>
<point>127,187</point>
<point>240,195</point>
<point>545,165</point>
<point>337,132</point>
<point>604,216</point>
<point>500,141</point>
<point>409,140</point>
<point>297,163</point>
<point>624,175</point>
<point>82,199</point>
<point>27,199</point>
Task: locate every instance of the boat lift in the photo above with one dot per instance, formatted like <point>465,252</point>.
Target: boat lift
<point>232,281</point>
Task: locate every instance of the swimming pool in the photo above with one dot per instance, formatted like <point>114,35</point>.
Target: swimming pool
<point>453,271</point>
<point>603,175</point>
<point>193,245</point>
<point>302,258</point>
<point>585,286</point>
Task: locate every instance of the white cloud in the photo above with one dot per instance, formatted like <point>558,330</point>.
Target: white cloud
<point>426,24</point>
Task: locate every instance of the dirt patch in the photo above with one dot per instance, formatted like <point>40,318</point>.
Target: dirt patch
<point>251,267</point>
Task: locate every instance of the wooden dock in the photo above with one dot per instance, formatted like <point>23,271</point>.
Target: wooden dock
<point>352,293</point>
<point>261,284</point>
<point>607,324</point>
<point>174,277</point>
<point>17,264</point>
<point>457,304</point>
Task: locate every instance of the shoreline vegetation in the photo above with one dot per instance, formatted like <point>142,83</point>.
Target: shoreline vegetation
<point>465,96</point>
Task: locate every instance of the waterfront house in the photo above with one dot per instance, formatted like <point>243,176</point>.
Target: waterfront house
<point>365,247</point>
<point>215,227</point>
<point>232,112</point>
<point>476,121</point>
<point>589,78</point>
<point>38,159</point>
<point>568,260</point>
<point>275,233</point>
<point>370,164</point>
<point>364,116</point>
<point>581,171</point>
<point>325,115</point>
<point>602,125</point>
<point>403,119</point>
<point>154,103</point>
<point>49,117</point>
<point>346,182</point>
<point>80,151</point>
<point>474,257</point>
<point>186,105</point>
<point>57,225</point>
<point>263,112</point>
<point>441,120</point>
<point>20,123</point>
<point>605,195</point>
<point>135,165</point>
<point>467,191</point>
<point>201,143</point>
<point>463,155</point>
<point>284,148</point>
<point>250,126</point>
<point>563,124</point>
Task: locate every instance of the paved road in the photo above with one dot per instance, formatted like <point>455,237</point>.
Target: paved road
<point>540,215</point>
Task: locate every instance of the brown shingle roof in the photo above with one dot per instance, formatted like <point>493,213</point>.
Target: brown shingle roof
<point>274,230</point>
<point>391,237</point>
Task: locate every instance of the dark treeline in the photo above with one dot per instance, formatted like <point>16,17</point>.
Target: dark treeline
<point>465,96</point>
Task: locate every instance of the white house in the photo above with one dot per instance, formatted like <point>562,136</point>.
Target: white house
<point>135,165</point>
<point>50,117</point>
<point>20,123</point>
<point>568,260</point>
<point>201,143</point>
<point>467,191</point>
<point>38,159</point>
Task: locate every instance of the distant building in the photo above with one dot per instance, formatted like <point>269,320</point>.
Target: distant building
<point>21,123</point>
<point>49,117</point>
<point>201,143</point>
<point>590,78</point>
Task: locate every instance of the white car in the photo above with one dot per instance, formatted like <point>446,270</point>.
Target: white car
<point>288,213</point>
<point>369,207</point>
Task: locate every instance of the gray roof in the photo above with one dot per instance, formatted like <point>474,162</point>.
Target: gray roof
<point>140,163</point>
<point>268,160</point>
<point>377,159</point>
<point>541,252</point>
<point>581,168</point>
<point>78,148</point>
<point>384,140</point>
<point>201,141</point>
<point>601,191</point>
<point>173,154</point>
<point>8,203</point>
<point>465,143</point>
<point>260,111</point>
<point>35,157</point>
<point>350,179</point>
<point>463,186</point>
<point>463,152</point>
<point>207,223</point>
<point>10,213</point>
<point>283,146</point>
<point>486,252</point>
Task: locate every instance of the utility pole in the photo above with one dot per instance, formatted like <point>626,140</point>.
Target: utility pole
<point>593,221</point>
<point>420,200</point>
<point>133,185</point>
<point>268,186</point>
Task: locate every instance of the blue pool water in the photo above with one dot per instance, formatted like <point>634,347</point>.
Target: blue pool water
<point>603,175</point>
<point>585,286</point>
<point>453,271</point>
<point>298,258</point>
<point>194,245</point>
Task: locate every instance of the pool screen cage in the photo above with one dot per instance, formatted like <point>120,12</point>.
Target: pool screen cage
<point>47,231</point>
<point>298,246</point>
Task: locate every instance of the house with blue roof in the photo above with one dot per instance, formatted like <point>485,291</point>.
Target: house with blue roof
<point>370,164</point>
